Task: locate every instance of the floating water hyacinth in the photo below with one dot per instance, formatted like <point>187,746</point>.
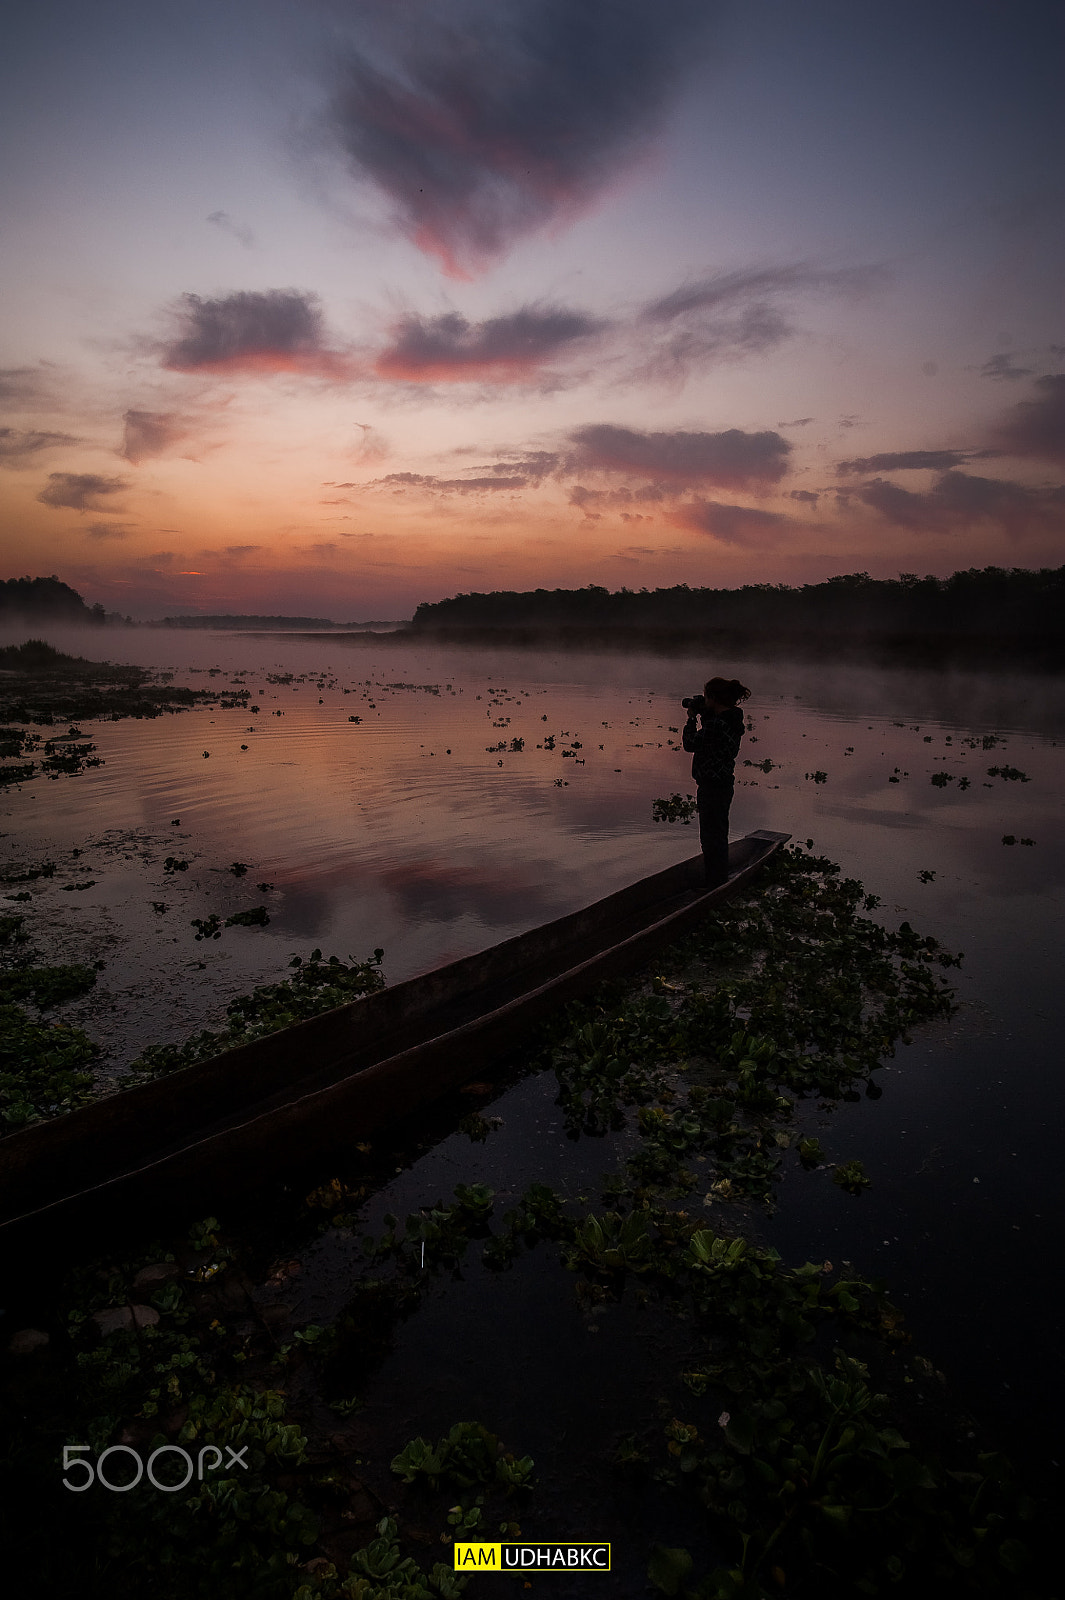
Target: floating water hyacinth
<point>850,1175</point>
<point>257,917</point>
<point>673,808</point>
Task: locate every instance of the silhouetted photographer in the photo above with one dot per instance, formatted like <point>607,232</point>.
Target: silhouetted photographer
<point>712,735</point>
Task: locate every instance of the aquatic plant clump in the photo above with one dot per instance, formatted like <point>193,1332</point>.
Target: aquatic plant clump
<point>44,1068</point>
<point>46,986</point>
<point>782,1450</point>
<point>162,1359</point>
<point>785,1443</point>
<point>829,989</point>
<point>673,808</point>
<point>234,1529</point>
<point>783,993</point>
<point>21,773</point>
<point>467,1457</point>
<point>316,985</point>
<point>43,686</point>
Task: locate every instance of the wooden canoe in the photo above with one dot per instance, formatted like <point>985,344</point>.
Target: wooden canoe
<point>227,1126</point>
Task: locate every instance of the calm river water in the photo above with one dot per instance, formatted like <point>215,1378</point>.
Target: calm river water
<point>432,803</point>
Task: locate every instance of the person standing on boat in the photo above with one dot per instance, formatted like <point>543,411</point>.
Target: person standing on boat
<point>713,748</point>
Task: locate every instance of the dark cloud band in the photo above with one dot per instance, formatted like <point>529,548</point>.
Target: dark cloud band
<point>1036,428</point>
<point>1003,368</point>
<point>81,491</point>
<point>732,459</point>
<point>721,291</point>
<point>449,349</point>
<point>910,461</point>
<point>732,315</point>
<point>252,331</point>
<point>19,447</point>
<point>959,499</point>
<point>434,485</point>
<point>483,120</point>
<point>744,526</point>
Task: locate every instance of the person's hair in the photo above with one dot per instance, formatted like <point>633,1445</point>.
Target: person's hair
<point>726,691</point>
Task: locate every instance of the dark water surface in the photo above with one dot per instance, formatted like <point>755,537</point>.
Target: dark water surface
<point>409,830</point>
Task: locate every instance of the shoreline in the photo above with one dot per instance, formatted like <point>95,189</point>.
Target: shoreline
<point>1039,652</point>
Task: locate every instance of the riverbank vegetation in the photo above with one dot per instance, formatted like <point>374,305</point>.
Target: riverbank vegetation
<point>777,1446</point>
<point>42,687</point>
<point>1013,613</point>
<point>47,600</point>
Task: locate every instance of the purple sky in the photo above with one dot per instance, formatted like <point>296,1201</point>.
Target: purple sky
<point>333,308</point>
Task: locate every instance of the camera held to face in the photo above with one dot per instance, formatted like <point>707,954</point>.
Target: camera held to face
<point>696,706</point>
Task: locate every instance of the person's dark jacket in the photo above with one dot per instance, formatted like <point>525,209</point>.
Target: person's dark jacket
<point>715,745</point>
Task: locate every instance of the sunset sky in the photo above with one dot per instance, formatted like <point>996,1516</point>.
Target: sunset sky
<point>331,307</point>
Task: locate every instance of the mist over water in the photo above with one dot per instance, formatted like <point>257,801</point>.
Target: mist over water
<point>420,828</point>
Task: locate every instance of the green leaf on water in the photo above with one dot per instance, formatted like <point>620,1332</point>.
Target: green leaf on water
<point>668,1568</point>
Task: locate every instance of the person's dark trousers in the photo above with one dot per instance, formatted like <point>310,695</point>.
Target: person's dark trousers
<point>714,800</point>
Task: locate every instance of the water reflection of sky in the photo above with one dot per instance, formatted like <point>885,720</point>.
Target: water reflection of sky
<point>405,830</point>
<point>411,830</point>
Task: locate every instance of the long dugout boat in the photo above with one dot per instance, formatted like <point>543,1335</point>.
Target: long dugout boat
<point>230,1125</point>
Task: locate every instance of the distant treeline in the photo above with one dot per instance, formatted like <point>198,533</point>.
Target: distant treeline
<point>988,603</point>
<point>245,622</point>
<point>273,624</point>
<point>46,599</point>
